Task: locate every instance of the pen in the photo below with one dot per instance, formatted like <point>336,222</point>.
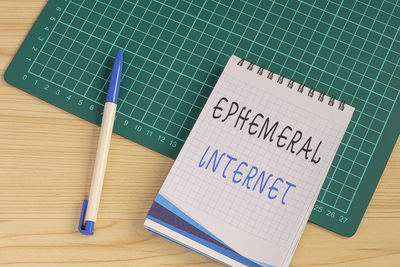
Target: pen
<point>91,206</point>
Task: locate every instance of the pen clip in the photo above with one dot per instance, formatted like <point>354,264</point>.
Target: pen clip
<point>88,228</point>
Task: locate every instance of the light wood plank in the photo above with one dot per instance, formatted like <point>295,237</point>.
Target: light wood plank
<point>46,159</point>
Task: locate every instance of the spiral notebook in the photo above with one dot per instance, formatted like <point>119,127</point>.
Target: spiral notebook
<point>245,181</point>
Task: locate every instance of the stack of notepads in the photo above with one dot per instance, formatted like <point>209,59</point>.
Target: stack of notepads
<point>244,183</point>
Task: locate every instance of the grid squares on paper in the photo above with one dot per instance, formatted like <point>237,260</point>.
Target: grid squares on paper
<point>175,52</point>
<point>230,203</point>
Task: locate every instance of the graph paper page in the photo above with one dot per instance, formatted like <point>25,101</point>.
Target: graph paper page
<point>254,163</point>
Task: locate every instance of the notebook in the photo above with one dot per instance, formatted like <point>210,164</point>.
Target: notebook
<point>244,184</point>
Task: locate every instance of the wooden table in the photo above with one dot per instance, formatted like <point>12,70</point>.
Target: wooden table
<point>46,159</point>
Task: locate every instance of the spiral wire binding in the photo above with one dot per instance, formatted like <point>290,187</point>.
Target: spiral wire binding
<point>290,84</point>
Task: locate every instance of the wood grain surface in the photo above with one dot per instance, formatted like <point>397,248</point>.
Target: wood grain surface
<point>46,159</point>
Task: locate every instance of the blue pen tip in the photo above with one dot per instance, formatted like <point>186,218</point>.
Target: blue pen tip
<point>118,57</point>
<point>119,54</point>
<point>113,88</point>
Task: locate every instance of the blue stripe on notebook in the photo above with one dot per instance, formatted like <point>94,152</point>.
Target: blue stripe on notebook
<point>171,207</point>
<point>160,212</point>
<point>180,244</point>
<point>231,254</point>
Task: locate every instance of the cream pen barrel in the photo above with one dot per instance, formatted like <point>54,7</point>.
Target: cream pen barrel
<point>101,161</point>
<point>91,207</point>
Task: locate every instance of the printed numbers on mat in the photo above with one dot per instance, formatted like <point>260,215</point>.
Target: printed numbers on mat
<point>35,48</point>
<point>343,219</point>
<point>43,35</point>
<point>318,208</point>
<point>330,213</point>
<point>164,139</point>
<point>150,132</point>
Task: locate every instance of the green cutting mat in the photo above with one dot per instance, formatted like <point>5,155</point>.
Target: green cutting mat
<point>175,51</point>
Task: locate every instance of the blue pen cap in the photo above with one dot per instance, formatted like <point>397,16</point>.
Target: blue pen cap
<point>85,228</point>
<point>113,87</point>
